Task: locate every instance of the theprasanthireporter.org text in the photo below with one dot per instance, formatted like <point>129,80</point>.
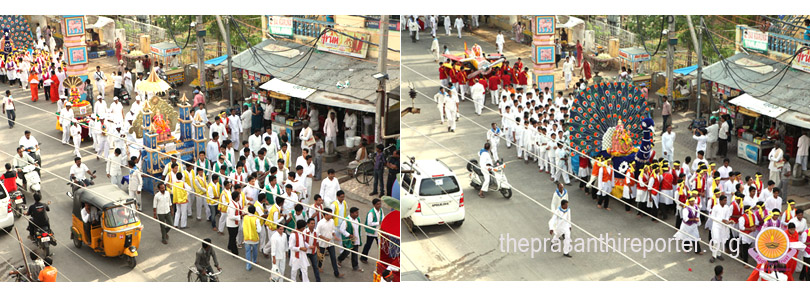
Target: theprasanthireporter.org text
<point>604,243</point>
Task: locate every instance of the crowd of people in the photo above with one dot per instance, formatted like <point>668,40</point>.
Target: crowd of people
<point>695,191</point>
<point>246,182</point>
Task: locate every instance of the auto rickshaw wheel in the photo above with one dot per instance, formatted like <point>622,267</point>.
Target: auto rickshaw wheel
<point>76,241</point>
<point>131,262</point>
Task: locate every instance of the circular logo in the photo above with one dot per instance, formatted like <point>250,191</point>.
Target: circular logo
<point>772,243</point>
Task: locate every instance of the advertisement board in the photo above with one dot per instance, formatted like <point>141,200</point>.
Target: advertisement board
<point>347,43</point>
<point>278,25</point>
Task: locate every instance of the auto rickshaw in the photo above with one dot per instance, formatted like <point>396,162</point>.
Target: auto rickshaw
<point>114,228</point>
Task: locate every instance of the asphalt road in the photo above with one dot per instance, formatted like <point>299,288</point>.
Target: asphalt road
<point>473,251</point>
<point>156,262</point>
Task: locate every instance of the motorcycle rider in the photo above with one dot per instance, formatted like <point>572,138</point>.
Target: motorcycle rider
<point>21,161</point>
<point>202,260</point>
<point>30,143</point>
<point>39,216</point>
<point>78,172</point>
<point>485,163</point>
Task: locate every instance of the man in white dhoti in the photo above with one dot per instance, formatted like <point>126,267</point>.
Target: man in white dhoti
<point>568,70</point>
<point>235,124</point>
<point>478,93</point>
<point>721,213</point>
<point>76,134</point>
<point>486,164</point>
<point>560,227</point>
<point>434,47</point>
<point>434,23</point>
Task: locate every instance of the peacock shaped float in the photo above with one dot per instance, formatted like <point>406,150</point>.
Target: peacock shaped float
<point>612,120</point>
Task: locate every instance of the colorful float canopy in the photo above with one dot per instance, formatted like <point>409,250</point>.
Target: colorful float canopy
<point>153,84</point>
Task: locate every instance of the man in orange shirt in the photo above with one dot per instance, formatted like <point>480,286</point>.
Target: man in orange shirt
<point>48,274</point>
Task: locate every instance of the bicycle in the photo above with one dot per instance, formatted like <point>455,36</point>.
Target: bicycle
<point>194,275</point>
<point>364,172</point>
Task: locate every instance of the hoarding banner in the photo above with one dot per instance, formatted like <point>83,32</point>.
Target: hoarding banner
<point>278,25</point>
<point>755,40</point>
<point>343,44</point>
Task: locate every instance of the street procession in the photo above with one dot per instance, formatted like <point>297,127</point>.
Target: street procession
<point>589,132</point>
<point>199,148</point>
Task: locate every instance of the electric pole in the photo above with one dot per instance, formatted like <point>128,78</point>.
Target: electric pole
<point>700,67</point>
<point>230,55</point>
<point>382,68</point>
<point>670,56</point>
<point>201,55</point>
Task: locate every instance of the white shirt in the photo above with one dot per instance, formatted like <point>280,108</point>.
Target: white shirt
<point>235,123</point>
<point>118,81</point>
<point>775,156</point>
<point>29,143</point>
<point>499,39</point>
<point>668,142</point>
<point>8,101</point>
<point>278,245</point>
<point>162,202</point>
<point>330,128</point>
<point>355,230</point>
<point>218,128</point>
<point>350,121</point>
<point>328,190</point>
<point>701,142</point>
<point>79,172</point>
<point>772,203</point>
<point>712,132</point>
<point>723,134</point>
<point>804,145</point>
<point>114,164</point>
<point>477,91</point>
<point>325,230</point>
<point>724,171</point>
<point>459,23</point>
<point>117,110</point>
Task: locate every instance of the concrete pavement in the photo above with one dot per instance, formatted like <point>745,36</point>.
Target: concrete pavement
<point>157,262</point>
<point>473,251</point>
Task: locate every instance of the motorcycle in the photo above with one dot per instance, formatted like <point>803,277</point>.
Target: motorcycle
<point>124,96</point>
<point>18,206</point>
<point>497,178</point>
<point>44,239</point>
<point>32,180</point>
<point>76,184</point>
<point>173,95</point>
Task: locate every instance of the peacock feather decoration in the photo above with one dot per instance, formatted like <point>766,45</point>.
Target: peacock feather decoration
<point>601,112</point>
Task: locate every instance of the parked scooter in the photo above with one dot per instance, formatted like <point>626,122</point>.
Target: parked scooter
<point>497,178</point>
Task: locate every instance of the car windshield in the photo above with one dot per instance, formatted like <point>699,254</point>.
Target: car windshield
<point>120,216</point>
<point>438,186</point>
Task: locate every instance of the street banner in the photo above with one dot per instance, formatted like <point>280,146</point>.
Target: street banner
<point>347,43</point>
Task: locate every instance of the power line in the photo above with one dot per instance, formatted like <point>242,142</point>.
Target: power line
<point>165,224</point>
<point>541,205</point>
<point>588,156</point>
<point>177,157</point>
<point>26,258</point>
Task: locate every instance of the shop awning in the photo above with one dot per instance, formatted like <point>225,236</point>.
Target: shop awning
<point>758,106</point>
<point>687,70</point>
<point>572,21</point>
<point>795,118</point>
<point>216,61</point>
<point>344,101</point>
<point>286,88</point>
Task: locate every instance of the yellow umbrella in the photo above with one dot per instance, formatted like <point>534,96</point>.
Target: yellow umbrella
<point>153,84</point>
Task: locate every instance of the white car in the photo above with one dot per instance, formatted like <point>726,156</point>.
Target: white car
<point>434,193</point>
<point>6,209</point>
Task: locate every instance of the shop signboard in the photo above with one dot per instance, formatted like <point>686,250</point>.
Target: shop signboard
<point>392,24</point>
<point>802,61</point>
<point>755,40</point>
<point>353,44</point>
<point>278,25</point>
<point>748,152</point>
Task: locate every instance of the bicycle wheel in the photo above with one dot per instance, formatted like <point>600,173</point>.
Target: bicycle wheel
<point>365,172</point>
<point>192,277</point>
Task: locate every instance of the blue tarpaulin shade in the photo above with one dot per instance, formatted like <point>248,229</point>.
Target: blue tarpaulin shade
<point>686,71</point>
<point>216,61</point>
